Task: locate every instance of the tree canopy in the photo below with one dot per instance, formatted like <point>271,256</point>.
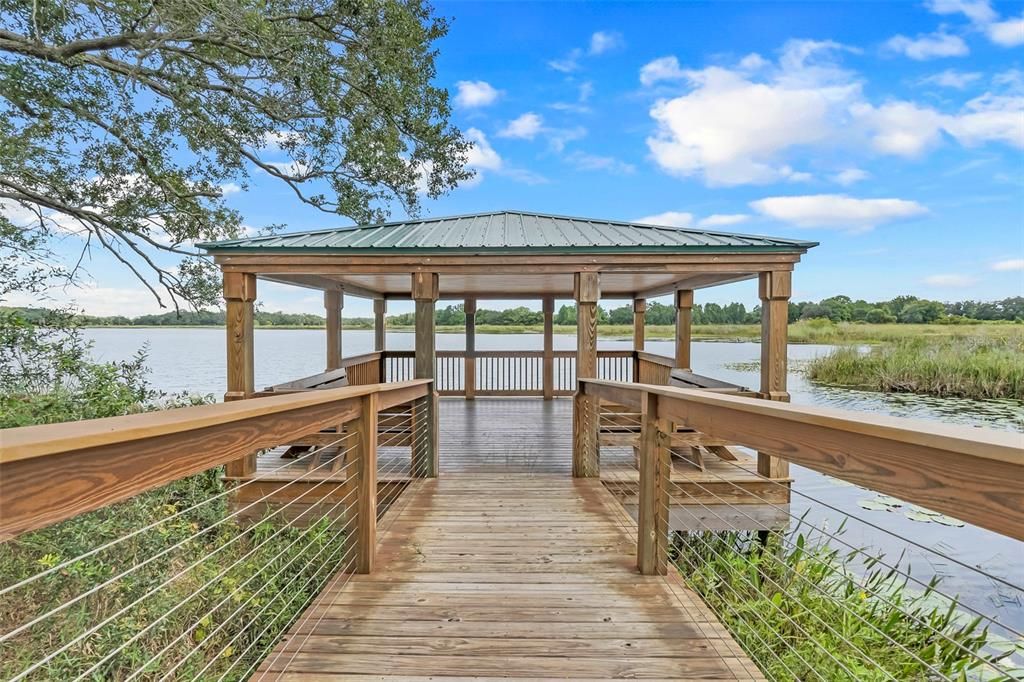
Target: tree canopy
<point>127,122</point>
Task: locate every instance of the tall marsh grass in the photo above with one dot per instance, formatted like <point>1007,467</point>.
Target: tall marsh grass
<point>967,367</point>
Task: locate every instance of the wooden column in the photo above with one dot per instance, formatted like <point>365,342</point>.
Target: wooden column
<point>380,309</point>
<point>469,370</point>
<point>334,301</point>
<point>653,510</point>
<point>639,320</point>
<point>366,500</point>
<point>239,294</point>
<point>548,369</point>
<point>684,321</point>
<point>585,456</point>
<point>774,290</point>
<point>424,293</point>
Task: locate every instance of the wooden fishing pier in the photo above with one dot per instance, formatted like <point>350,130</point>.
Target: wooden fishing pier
<point>505,514</point>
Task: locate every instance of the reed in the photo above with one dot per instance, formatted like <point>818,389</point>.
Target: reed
<point>969,367</point>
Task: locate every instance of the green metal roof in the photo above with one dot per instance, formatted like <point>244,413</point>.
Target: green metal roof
<point>507,231</point>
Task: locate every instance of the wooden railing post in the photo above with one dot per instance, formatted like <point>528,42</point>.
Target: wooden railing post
<point>334,301</point>
<point>774,290</point>
<point>239,295</point>
<point>469,371</point>
<point>653,511</point>
<point>684,320</point>
<point>424,451</point>
<point>366,501</point>
<point>548,368</point>
<point>380,308</point>
<point>586,427</point>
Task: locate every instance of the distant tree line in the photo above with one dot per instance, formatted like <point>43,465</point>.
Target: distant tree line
<point>902,309</point>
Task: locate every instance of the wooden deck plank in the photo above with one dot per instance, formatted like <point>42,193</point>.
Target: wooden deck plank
<point>507,576</point>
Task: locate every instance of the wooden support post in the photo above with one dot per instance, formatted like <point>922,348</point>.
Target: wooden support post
<point>424,454</point>
<point>585,456</point>
<point>380,309</point>
<point>334,301</point>
<point>653,510</point>
<point>639,320</point>
<point>548,368</point>
<point>774,290</point>
<point>469,371</point>
<point>239,294</point>
<point>684,321</point>
<point>366,500</point>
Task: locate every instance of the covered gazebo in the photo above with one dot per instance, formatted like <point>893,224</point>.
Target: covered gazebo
<point>507,255</point>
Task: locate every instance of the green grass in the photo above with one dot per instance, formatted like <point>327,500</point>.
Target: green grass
<point>801,613</point>
<point>960,366</point>
<point>248,583</point>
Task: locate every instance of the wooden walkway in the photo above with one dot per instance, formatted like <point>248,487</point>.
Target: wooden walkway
<point>505,575</point>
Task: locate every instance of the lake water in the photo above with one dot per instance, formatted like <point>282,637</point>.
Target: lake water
<point>192,360</point>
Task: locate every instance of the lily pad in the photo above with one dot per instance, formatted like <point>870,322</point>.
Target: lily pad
<point>889,501</point>
<point>948,521</point>
<point>918,516</point>
<point>873,505</point>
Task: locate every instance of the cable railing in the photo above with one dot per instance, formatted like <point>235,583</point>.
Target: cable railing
<point>804,600</point>
<point>204,591</point>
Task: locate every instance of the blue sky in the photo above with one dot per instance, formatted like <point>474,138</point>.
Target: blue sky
<point>892,133</point>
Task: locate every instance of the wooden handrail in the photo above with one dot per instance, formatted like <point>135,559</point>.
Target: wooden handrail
<point>656,359</point>
<point>976,475</point>
<point>53,472</point>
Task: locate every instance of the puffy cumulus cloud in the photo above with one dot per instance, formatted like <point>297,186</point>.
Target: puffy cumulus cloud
<point>605,41</point>
<point>850,176</point>
<point>668,219</point>
<point>1009,33</point>
<point>1003,32</point>
<point>230,188</point>
<point>949,280</point>
<point>681,219</point>
<point>723,219</point>
<point>661,69</point>
<point>525,127</point>
<point>900,128</point>
<point>951,78</point>
<point>1009,265</point>
<point>990,118</point>
<point>481,155</point>
<point>732,129</point>
<point>837,211</point>
<point>473,94</point>
<point>929,46</point>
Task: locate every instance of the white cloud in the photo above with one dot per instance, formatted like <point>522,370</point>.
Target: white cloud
<point>685,220</point>
<point>928,46</point>
<point>990,118</point>
<point>732,130</point>
<point>586,91</point>
<point>93,299</point>
<point>481,155</point>
<point>559,137</point>
<point>525,127</point>
<point>229,188</point>
<point>1009,265</point>
<point>568,63</point>
<point>949,280</point>
<point>978,11</point>
<point>472,94</point>
<point>603,41</point>
<point>294,169</point>
<point>661,69</point>
<point>723,219</point>
<point>277,139</point>
<point>594,162</point>
<point>951,78</point>
<point>1009,33</point>
<point>1006,33</point>
<point>850,176</point>
<point>900,128</point>
<point>837,211</point>
<point>668,219</point>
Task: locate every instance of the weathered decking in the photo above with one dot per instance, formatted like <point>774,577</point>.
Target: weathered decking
<point>507,575</point>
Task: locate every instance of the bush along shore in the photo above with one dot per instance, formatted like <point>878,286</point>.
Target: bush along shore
<point>979,367</point>
<point>803,610</point>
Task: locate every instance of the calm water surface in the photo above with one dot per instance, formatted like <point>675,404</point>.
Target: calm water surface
<point>192,360</point>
